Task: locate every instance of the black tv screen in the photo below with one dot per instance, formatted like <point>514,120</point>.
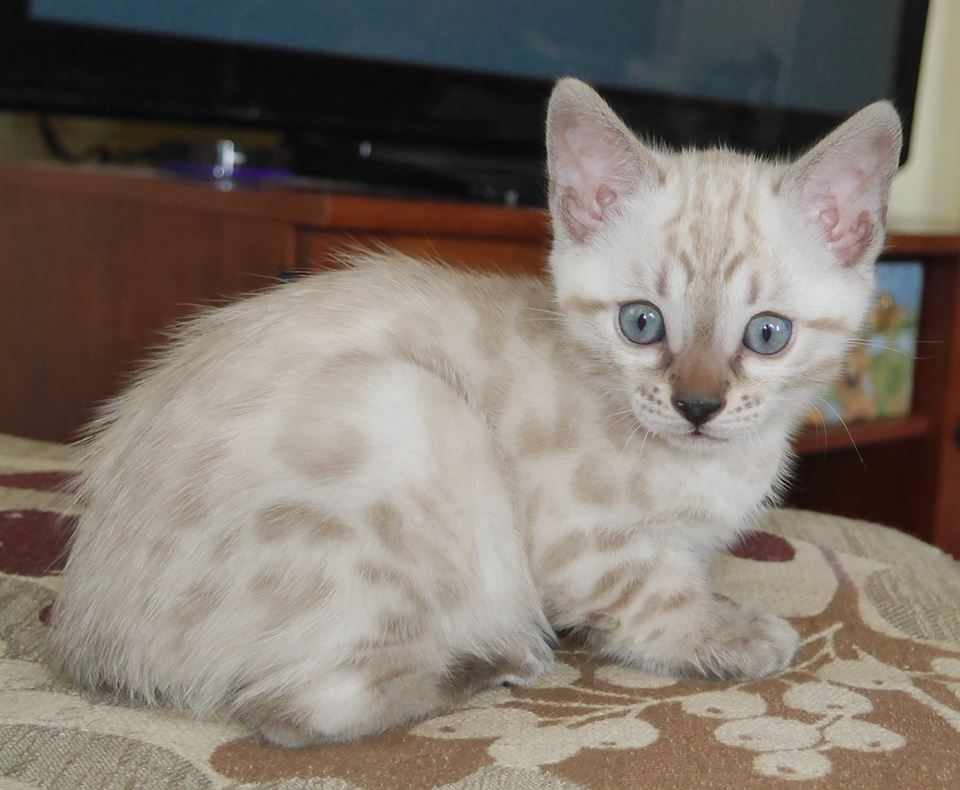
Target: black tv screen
<point>766,75</point>
<point>820,55</point>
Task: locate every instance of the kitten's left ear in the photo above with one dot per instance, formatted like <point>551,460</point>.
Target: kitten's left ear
<point>594,160</point>
<point>842,185</point>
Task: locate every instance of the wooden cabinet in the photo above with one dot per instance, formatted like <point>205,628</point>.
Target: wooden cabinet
<point>95,264</point>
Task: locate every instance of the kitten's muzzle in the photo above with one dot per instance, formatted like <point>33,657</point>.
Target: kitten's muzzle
<point>698,409</point>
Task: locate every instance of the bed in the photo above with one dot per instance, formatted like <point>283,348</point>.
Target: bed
<point>872,700</point>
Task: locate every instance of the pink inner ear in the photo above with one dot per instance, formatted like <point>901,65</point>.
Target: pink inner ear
<point>582,220</point>
<point>594,167</point>
<point>852,244</point>
<point>830,219</point>
<point>844,182</point>
<point>849,228</point>
<point>606,197</point>
<point>585,216</point>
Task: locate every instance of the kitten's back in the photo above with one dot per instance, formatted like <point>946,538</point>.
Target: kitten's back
<point>280,512</point>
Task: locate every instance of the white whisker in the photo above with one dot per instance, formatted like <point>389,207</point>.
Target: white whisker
<point>629,439</point>
<point>817,425</point>
<point>869,344</point>
<point>541,310</point>
<point>643,444</point>
<point>844,424</point>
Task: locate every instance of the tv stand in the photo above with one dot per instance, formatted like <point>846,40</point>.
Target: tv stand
<point>94,264</point>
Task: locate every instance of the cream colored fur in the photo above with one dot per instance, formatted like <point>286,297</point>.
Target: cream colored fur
<point>355,499</point>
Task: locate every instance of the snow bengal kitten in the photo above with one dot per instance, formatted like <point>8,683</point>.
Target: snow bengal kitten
<point>356,499</point>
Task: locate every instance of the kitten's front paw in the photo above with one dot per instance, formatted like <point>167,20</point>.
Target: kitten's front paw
<point>287,736</point>
<point>528,665</point>
<point>747,645</point>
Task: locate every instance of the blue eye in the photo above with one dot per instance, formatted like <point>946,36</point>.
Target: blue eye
<point>641,323</point>
<point>768,333</point>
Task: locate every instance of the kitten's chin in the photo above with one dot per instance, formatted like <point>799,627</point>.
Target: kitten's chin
<point>695,440</point>
<point>699,438</point>
<point>705,442</point>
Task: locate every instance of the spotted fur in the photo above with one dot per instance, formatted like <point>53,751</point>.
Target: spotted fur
<point>356,499</point>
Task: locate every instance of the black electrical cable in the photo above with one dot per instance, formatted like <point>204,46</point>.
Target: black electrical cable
<point>52,140</point>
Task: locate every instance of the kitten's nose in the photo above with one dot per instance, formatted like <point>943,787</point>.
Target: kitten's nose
<point>698,409</point>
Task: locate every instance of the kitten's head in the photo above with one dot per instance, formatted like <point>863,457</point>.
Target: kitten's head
<point>713,293</point>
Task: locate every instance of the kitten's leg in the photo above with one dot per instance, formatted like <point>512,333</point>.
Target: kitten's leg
<point>396,697</point>
<point>389,687</point>
<point>428,597</point>
<point>660,614</point>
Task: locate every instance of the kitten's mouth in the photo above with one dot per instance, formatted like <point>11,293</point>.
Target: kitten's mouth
<point>696,436</point>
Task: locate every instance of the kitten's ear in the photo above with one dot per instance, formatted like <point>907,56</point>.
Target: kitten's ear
<point>593,159</point>
<point>842,185</point>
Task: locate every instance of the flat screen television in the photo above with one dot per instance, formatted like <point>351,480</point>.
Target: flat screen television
<point>455,90</point>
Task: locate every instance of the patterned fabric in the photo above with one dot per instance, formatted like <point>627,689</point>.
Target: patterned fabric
<point>873,699</point>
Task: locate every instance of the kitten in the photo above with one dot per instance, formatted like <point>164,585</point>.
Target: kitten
<point>356,499</point>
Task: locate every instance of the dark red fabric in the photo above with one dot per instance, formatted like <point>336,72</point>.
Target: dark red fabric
<point>763,547</point>
<point>41,481</point>
<point>33,542</point>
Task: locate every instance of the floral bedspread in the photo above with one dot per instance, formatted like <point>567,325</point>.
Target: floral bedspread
<point>872,701</point>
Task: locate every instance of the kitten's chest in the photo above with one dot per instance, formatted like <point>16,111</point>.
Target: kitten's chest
<point>724,488</point>
<point>574,467</point>
<point>594,483</point>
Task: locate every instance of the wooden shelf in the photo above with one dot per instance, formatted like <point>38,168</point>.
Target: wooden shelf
<point>822,439</point>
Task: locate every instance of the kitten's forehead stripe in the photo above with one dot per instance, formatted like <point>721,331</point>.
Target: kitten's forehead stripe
<point>682,207</point>
<point>734,200</point>
<point>688,267</point>
<point>777,186</point>
<point>754,289</point>
<point>662,282</point>
<point>716,231</point>
<point>700,192</point>
<point>735,263</point>
<point>661,173</point>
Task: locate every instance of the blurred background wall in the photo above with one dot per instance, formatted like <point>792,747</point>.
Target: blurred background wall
<point>927,189</point>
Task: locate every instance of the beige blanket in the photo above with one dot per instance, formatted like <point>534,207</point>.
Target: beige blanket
<point>872,701</point>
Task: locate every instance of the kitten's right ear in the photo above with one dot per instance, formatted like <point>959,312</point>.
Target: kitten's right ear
<point>843,184</point>
<point>593,159</point>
